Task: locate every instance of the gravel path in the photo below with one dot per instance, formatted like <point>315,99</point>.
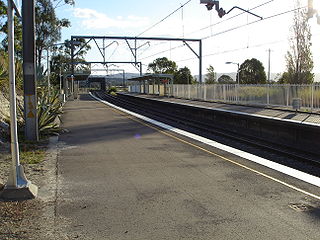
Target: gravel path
<point>32,219</point>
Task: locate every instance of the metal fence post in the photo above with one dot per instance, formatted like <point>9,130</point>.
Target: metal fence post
<point>237,93</point>
<point>176,91</point>
<point>287,95</point>
<point>204,92</point>
<point>268,94</point>
<point>312,96</point>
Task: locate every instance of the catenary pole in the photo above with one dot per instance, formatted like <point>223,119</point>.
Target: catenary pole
<point>29,71</point>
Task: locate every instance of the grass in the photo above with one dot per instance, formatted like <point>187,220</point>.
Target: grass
<point>32,152</point>
<point>32,157</point>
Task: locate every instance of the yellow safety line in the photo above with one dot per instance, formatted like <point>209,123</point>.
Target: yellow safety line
<point>215,154</point>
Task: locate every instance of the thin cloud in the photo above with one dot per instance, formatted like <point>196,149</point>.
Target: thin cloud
<point>94,20</point>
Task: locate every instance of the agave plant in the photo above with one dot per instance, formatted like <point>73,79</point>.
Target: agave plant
<point>3,71</point>
<point>49,108</point>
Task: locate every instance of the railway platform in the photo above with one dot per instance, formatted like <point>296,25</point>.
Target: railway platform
<point>276,113</point>
<point>123,178</point>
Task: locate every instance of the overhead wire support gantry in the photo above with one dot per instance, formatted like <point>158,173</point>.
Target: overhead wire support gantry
<point>133,48</point>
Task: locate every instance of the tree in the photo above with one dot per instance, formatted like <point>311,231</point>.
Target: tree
<point>48,26</point>
<point>284,78</point>
<point>210,76</point>
<point>3,12</point>
<point>162,65</point>
<point>183,76</point>
<point>61,58</point>
<point>299,57</point>
<point>225,79</point>
<point>17,31</point>
<point>252,71</point>
<point>4,72</point>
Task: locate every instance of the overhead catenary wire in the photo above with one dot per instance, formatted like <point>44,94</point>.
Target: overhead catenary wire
<point>167,50</point>
<point>235,50</point>
<point>243,48</point>
<point>181,7</point>
<point>162,20</point>
<point>229,30</point>
<point>250,23</point>
<point>227,19</point>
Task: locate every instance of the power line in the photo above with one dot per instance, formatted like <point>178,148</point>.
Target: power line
<point>257,21</point>
<point>242,48</point>
<point>162,52</point>
<point>228,30</point>
<point>215,24</point>
<point>234,50</point>
<point>195,31</point>
<point>164,18</point>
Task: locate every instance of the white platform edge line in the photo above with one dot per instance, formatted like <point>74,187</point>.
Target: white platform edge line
<point>262,161</point>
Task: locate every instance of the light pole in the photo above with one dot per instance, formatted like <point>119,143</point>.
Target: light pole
<point>17,187</point>
<point>48,69</point>
<point>120,70</point>
<point>238,76</point>
<point>48,65</point>
<point>238,80</point>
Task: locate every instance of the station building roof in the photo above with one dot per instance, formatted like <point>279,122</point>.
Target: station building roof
<point>152,77</point>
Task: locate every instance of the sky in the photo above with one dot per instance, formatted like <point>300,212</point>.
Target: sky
<point>229,39</point>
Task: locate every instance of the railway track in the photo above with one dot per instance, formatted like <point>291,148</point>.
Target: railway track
<point>297,159</point>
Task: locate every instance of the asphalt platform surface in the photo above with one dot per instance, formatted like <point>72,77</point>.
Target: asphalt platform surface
<point>121,179</point>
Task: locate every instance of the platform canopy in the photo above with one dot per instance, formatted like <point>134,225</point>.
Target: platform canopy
<point>152,77</point>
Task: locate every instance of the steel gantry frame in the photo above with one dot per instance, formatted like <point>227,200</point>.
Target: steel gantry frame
<point>133,49</point>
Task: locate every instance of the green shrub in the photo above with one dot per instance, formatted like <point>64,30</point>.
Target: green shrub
<point>49,108</point>
<point>112,90</point>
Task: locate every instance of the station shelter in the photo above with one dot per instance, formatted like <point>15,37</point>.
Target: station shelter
<point>155,84</point>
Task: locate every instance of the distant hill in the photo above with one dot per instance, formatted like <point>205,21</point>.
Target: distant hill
<point>118,77</point>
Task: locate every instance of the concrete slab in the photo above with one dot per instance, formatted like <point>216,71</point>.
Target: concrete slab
<point>18,194</point>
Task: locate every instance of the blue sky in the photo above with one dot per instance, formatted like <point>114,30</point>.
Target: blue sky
<point>130,18</point>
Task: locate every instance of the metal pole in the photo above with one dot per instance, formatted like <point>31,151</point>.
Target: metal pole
<point>140,69</point>
<point>65,88</point>
<point>135,50</point>
<point>200,61</point>
<point>12,182</point>
<point>72,56</point>
<point>104,50</point>
<point>123,79</point>
<point>269,73</point>
<point>17,179</point>
<point>60,83</point>
<point>48,69</point>
<point>238,85</point>
<point>72,84</point>
<point>312,96</point>
<point>29,71</point>
<point>269,60</point>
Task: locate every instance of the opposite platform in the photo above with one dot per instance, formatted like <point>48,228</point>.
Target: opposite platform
<point>273,113</point>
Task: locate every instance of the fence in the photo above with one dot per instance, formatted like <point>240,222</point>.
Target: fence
<point>263,95</point>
